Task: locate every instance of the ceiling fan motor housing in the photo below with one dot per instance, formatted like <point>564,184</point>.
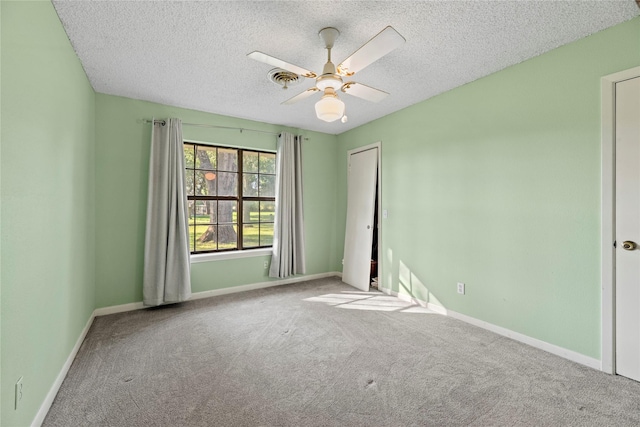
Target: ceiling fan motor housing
<point>329,78</point>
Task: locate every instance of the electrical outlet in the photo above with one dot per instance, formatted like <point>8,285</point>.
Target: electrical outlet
<point>266,265</point>
<point>18,392</point>
<point>461,288</point>
<point>342,261</point>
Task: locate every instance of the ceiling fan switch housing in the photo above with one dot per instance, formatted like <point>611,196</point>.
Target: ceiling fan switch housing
<point>328,69</point>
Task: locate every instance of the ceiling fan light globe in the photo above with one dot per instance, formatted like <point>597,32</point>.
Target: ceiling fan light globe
<point>329,108</point>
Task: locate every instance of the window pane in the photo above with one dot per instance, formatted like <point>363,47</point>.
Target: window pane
<point>267,211</point>
<point>249,161</point>
<point>250,235</point>
<point>206,212</point>
<point>267,186</point>
<point>227,211</point>
<point>205,183</point>
<point>189,154</point>
<point>205,238</point>
<point>227,236</point>
<point>266,234</point>
<point>251,212</point>
<point>191,211</point>
<point>228,159</point>
<point>267,163</point>
<point>227,184</point>
<point>249,184</point>
<point>189,181</point>
<point>206,157</point>
<point>192,231</point>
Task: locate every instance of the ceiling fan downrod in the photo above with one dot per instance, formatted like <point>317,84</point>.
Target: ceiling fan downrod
<point>329,78</point>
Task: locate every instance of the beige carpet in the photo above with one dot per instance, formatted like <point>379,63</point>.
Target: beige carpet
<point>322,354</point>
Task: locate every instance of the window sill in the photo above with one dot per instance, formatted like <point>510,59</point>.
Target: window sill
<point>219,256</point>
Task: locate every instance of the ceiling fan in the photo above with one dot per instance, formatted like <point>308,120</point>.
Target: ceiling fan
<point>330,107</point>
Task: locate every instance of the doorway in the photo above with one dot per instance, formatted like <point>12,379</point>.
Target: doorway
<point>362,231</point>
<point>373,274</point>
<point>621,223</point>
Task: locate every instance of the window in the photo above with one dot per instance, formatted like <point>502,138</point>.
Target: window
<point>231,196</point>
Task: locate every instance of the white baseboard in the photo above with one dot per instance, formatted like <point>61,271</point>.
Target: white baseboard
<point>525,339</point>
<point>223,291</point>
<point>534,342</point>
<point>404,297</point>
<point>118,308</point>
<point>261,285</point>
<point>53,391</point>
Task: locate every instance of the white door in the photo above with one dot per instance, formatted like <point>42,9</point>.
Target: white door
<point>361,193</point>
<point>628,228</point>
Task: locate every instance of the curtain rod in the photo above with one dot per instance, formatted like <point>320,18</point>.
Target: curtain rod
<point>217,127</point>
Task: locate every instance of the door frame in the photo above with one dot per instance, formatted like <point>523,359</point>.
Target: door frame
<point>377,145</point>
<point>608,300</point>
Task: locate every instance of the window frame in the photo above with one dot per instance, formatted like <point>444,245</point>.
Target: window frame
<point>239,198</point>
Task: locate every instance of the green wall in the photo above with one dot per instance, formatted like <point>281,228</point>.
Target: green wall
<point>122,153</point>
<point>0,217</point>
<point>497,184</point>
<point>48,116</point>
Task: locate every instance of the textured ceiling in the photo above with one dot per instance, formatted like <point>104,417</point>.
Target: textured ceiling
<point>193,54</point>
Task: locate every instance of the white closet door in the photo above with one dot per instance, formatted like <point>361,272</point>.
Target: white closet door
<point>628,228</point>
<point>361,193</point>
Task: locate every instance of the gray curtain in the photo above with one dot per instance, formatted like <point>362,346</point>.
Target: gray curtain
<point>288,237</point>
<point>167,277</point>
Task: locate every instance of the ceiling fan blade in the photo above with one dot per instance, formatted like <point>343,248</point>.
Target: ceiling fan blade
<point>299,97</point>
<point>275,62</point>
<point>363,91</point>
<point>381,44</point>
